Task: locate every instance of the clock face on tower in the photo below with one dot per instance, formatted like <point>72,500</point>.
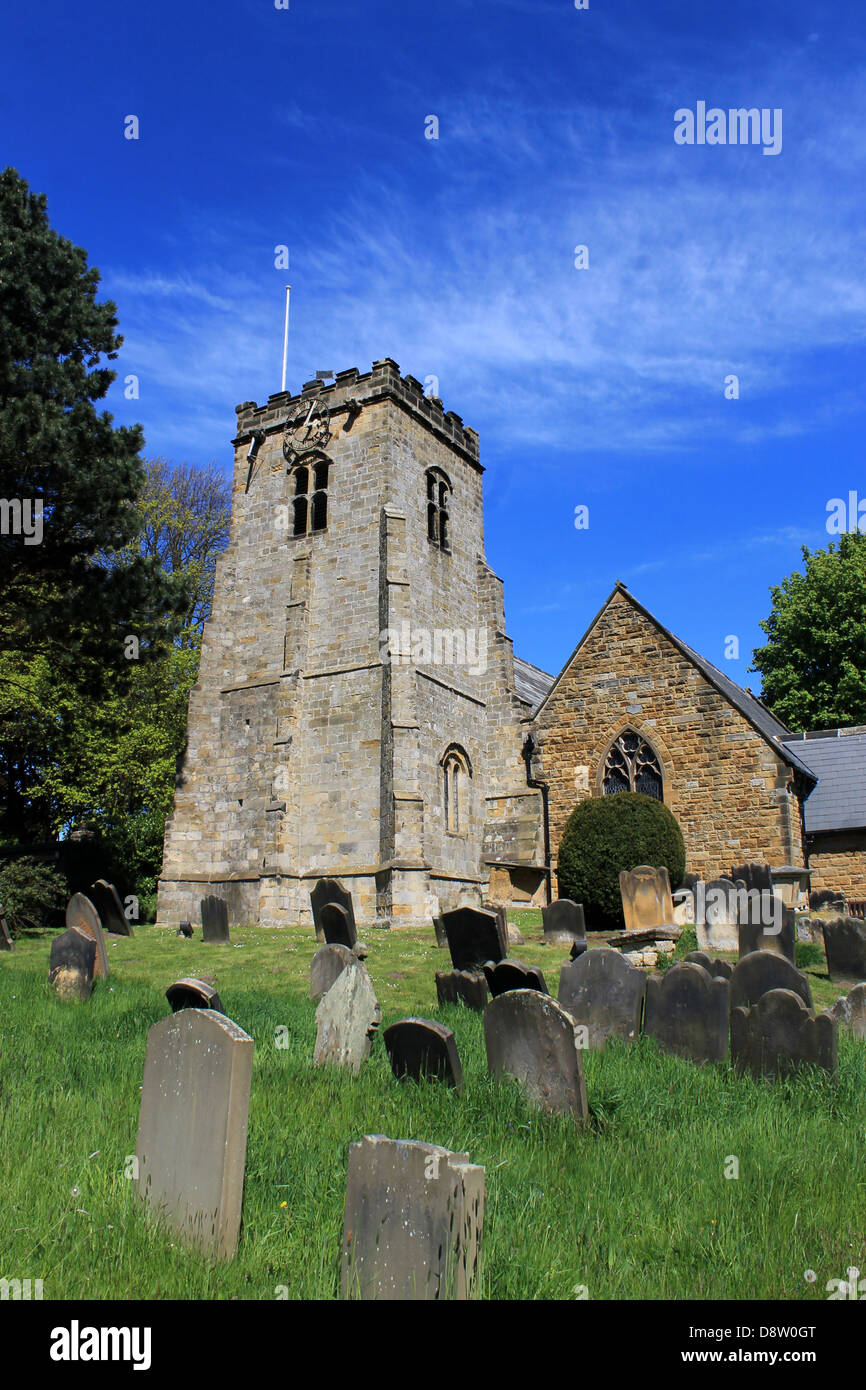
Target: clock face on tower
<point>311,429</point>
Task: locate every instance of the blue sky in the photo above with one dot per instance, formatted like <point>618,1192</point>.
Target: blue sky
<point>602,387</point>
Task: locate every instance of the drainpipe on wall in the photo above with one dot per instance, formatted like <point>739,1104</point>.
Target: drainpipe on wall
<point>527,753</point>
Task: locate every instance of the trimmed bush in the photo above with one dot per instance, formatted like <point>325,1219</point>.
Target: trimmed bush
<point>605,834</point>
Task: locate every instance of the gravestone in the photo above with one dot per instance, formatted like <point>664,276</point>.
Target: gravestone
<point>106,900</point>
<point>514,936</point>
<point>850,1009</point>
<point>778,1034</point>
<point>185,929</point>
<point>722,968</point>
<point>346,1020</point>
<point>564,923</point>
<point>326,965</point>
<point>757,934</point>
<point>513,974</point>
<point>190,993</point>
<point>605,993</point>
<point>6,943</point>
<point>422,1047</point>
<point>80,912</point>
<point>759,972</point>
<point>845,948</point>
<point>646,898</point>
<point>338,926</point>
<point>72,964</point>
<point>474,937</point>
<point>716,916</point>
<point>192,1127</point>
<point>214,920</point>
<point>827,900</point>
<point>331,891</point>
<point>467,987</point>
<point>413,1221</point>
<point>687,1012</point>
<point>755,876</point>
<point>439,928</point>
<point>532,1038</point>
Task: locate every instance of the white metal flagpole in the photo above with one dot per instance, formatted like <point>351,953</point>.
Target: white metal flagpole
<point>286,338</point>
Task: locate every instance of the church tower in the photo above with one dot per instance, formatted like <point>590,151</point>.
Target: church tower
<point>355,714</point>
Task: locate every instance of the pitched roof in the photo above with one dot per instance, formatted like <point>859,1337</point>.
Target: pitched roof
<point>837,758</point>
<point>530,682</point>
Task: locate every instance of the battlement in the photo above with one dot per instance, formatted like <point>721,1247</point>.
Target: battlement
<point>352,390</point>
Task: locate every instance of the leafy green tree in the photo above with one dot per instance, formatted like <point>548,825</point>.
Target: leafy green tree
<point>813,667</point>
<point>31,894</point>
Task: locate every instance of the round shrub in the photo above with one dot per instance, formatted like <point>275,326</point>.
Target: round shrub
<point>607,833</point>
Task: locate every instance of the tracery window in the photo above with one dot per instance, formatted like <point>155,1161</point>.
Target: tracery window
<point>310,497</point>
<point>438,502</point>
<point>632,766</point>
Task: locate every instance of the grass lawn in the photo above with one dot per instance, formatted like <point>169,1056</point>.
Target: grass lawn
<point>634,1205</point>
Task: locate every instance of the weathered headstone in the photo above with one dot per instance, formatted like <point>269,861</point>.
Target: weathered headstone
<point>190,993</point>
<point>106,900</point>
<point>413,1222</point>
<point>513,935</point>
<point>346,1020</point>
<point>759,972</point>
<point>532,1038</point>
<point>474,937</point>
<point>827,900</point>
<point>850,1010</point>
<point>714,967</point>
<point>716,916</point>
<point>687,1012</point>
<point>845,948</point>
<point>769,926</point>
<point>755,876</point>
<point>6,943</point>
<point>192,1128</point>
<point>778,1033</point>
<point>422,1047</point>
<point>646,898</point>
<point>338,927</point>
<point>326,965</point>
<point>72,964</point>
<point>439,928</point>
<point>331,891</point>
<point>605,994</point>
<point>467,987</point>
<point>214,920</point>
<point>80,912</point>
<point>564,923</point>
<point>513,974</point>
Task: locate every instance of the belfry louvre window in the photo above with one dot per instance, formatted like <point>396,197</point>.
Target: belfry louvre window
<point>310,497</point>
<point>632,766</point>
<point>438,502</point>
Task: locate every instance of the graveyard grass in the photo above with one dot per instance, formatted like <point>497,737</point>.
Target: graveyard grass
<point>634,1205</point>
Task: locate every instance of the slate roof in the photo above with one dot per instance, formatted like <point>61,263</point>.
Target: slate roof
<point>530,682</point>
<point>838,759</point>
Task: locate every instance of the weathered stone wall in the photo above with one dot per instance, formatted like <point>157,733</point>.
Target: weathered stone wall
<point>732,795</point>
<point>838,860</point>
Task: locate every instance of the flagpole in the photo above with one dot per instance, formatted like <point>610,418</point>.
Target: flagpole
<point>286,338</point>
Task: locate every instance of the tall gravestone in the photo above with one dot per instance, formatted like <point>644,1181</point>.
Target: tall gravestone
<point>346,1020</point>
<point>214,920</point>
<point>532,1038</point>
<point>192,1128</point>
<point>413,1222</point>
<point>686,1011</point>
<point>845,948</point>
<point>604,993</point>
<point>759,972</point>
<point>72,964</point>
<point>778,1034</point>
<point>331,892</point>
<point>106,900</point>
<point>419,1047</point>
<point>513,974</point>
<point>716,917</point>
<point>564,923</point>
<point>326,965</point>
<point>646,898</point>
<point>759,932</point>
<point>474,937</point>
<point>81,913</point>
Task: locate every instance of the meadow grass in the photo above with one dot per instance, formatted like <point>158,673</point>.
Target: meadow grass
<point>634,1205</point>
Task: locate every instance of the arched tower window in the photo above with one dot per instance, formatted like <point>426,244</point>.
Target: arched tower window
<point>309,486</point>
<point>455,771</point>
<point>438,504</point>
<point>632,766</point>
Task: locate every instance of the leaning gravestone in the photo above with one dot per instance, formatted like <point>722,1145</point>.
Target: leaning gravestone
<point>827,900</point>
<point>338,926</point>
<point>214,920</point>
<point>413,1222</point>
<point>346,1020</point>
<point>845,948</point>
<point>106,900</point>
<point>850,1010</point>
<point>564,923</point>
<point>605,994</point>
<point>779,1033</point>
<point>80,912</point>
<point>513,974</point>
<point>419,1047</point>
<point>646,898</point>
<point>759,972</point>
<point>326,965</point>
<point>191,993</point>
<point>722,968</point>
<point>331,891</point>
<point>687,1012</point>
<point>72,964</point>
<point>467,987</point>
<point>5,933</point>
<point>474,937</point>
<point>530,1037</point>
<point>192,1127</point>
<point>716,917</point>
<point>768,926</point>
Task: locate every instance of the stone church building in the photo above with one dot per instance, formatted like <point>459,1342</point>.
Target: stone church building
<point>360,713</point>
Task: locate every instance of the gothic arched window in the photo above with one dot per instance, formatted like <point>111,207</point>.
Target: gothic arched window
<point>310,496</point>
<point>632,766</point>
<point>455,770</point>
<point>438,502</point>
